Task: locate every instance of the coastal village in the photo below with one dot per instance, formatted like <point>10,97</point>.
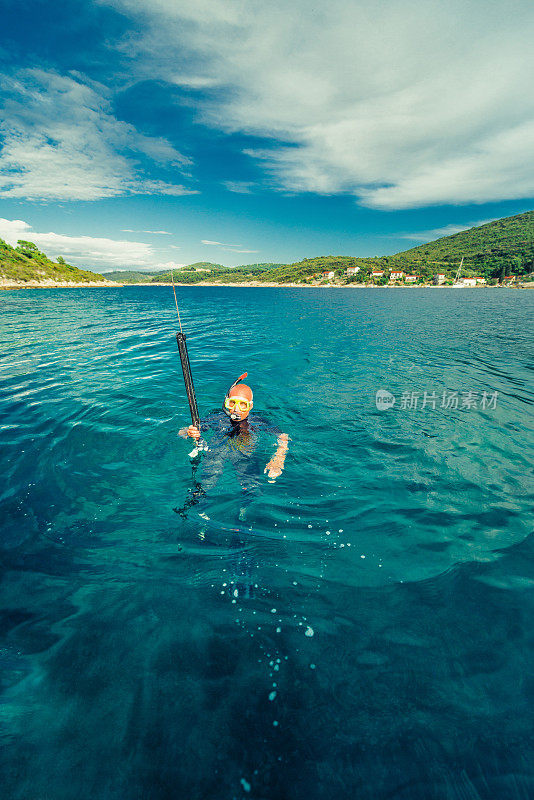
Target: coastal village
<point>400,278</point>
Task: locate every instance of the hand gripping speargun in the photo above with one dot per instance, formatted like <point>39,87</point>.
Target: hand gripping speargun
<point>188,380</point>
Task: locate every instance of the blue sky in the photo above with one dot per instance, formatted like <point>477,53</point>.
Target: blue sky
<point>149,133</point>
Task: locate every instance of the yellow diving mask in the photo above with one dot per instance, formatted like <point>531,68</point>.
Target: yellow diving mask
<point>241,403</point>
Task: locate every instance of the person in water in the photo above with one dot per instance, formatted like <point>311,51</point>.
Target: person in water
<point>237,436</point>
<point>238,439</point>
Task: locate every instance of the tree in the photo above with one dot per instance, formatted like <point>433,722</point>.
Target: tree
<point>24,245</point>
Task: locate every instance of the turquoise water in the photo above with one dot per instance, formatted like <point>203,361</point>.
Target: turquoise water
<point>362,627</point>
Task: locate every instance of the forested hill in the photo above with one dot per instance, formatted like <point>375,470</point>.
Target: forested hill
<point>499,248</point>
<point>507,242</point>
<point>202,271</point>
<point>26,263</point>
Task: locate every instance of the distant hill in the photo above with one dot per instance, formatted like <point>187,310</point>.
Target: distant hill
<point>506,243</point>
<point>313,267</point>
<point>129,276</point>
<point>499,248</point>
<point>26,263</point>
<point>215,273</point>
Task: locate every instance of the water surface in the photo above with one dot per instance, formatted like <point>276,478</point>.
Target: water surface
<point>359,628</point>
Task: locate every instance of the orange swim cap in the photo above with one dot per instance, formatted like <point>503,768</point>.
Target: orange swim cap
<point>241,390</point>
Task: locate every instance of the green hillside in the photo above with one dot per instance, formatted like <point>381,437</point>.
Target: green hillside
<point>499,248</point>
<point>505,244</point>
<point>215,273</point>
<point>311,268</point>
<point>26,263</point>
<point>129,276</point>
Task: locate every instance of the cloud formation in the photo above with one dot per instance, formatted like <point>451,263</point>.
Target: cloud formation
<point>439,233</point>
<point>229,248</point>
<point>83,251</point>
<point>61,141</point>
<point>159,233</point>
<point>401,104</point>
<point>218,244</point>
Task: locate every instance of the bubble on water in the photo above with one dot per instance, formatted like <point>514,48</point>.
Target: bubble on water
<point>236,593</point>
<point>245,784</point>
<point>328,533</point>
<point>340,530</point>
<point>276,667</point>
<point>295,583</point>
<point>273,610</point>
<point>279,630</point>
<point>272,696</point>
<point>362,556</point>
<point>275,723</point>
<point>309,631</point>
<point>312,666</point>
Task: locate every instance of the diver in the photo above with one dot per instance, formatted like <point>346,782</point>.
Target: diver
<point>234,437</point>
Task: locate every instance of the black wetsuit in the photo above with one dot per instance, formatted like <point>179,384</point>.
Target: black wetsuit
<point>239,443</point>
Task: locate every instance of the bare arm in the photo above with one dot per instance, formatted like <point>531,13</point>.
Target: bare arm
<point>276,464</point>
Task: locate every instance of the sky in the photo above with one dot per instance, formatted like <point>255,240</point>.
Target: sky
<point>145,134</point>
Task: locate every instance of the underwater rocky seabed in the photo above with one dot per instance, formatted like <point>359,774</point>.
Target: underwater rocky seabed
<point>360,628</point>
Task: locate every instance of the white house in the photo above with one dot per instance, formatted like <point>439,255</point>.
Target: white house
<point>330,275</point>
<point>411,278</point>
<point>352,270</point>
<point>468,282</point>
<point>376,274</point>
<point>440,278</point>
<point>396,276</point>
<point>480,280</point>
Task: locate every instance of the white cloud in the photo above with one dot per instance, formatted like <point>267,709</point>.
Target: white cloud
<point>61,141</point>
<point>438,233</point>
<point>229,248</point>
<point>401,104</point>
<point>160,233</point>
<point>219,244</point>
<point>82,251</point>
<point>239,187</point>
<point>232,250</point>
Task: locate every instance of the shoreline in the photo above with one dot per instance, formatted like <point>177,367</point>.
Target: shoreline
<point>13,285</point>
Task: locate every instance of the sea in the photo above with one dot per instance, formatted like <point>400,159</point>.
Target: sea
<point>359,627</point>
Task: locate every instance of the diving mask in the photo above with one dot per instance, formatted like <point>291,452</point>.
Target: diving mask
<point>235,407</point>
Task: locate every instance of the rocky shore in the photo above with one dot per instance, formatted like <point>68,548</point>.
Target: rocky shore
<point>7,285</point>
